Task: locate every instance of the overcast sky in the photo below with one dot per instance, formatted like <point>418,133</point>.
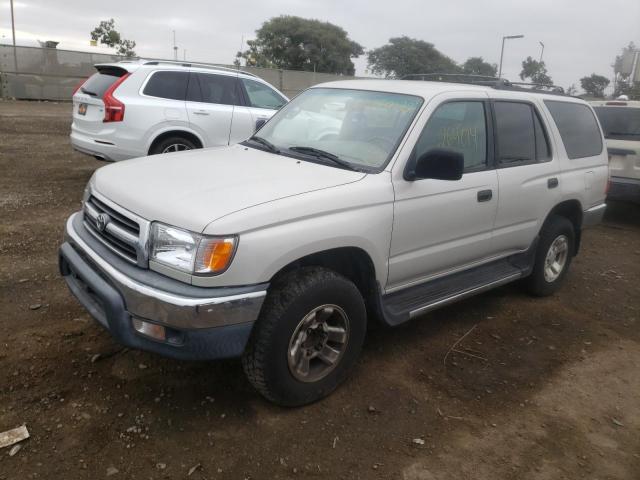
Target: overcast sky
<point>580,36</point>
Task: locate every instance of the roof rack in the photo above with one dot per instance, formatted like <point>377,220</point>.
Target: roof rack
<point>212,66</point>
<point>485,80</point>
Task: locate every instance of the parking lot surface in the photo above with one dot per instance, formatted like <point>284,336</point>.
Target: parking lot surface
<point>537,389</point>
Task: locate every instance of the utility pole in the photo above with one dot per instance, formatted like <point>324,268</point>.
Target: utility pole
<point>175,47</point>
<point>508,37</point>
<point>13,36</point>
<point>541,51</point>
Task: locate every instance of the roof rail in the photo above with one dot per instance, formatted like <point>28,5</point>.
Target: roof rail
<point>488,81</point>
<point>212,66</point>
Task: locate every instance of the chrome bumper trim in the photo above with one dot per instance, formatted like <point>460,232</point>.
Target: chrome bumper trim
<point>593,215</point>
<point>167,308</point>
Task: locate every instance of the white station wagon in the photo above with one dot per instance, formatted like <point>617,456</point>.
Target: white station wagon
<point>360,201</point>
<point>137,108</point>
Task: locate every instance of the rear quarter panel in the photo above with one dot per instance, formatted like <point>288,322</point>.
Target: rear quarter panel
<point>583,179</point>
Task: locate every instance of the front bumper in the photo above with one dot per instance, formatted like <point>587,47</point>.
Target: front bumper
<point>200,323</point>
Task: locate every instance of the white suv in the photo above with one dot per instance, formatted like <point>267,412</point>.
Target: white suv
<point>358,202</point>
<point>133,109</point>
<point>620,120</point>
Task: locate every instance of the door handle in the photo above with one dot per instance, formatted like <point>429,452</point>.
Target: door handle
<point>200,112</point>
<point>485,195</point>
<point>552,182</point>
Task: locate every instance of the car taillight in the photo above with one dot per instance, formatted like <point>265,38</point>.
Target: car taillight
<point>77,87</point>
<point>113,108</point>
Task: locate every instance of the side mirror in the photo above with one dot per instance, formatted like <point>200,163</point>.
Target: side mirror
<point>439,164</point>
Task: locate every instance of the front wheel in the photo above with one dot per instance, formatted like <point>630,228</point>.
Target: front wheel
<point>308,337</point>
<point>553,256</point>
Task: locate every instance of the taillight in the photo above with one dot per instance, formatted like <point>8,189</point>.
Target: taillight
<point>113,108</point>
<point>77,87</point>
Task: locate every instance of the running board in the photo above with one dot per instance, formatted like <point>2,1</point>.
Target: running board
<point>401,306</point>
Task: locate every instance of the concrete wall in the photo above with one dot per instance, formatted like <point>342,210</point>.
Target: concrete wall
<point>51,74</point>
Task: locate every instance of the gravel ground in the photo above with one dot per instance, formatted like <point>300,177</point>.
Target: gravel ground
<point>545,389</point>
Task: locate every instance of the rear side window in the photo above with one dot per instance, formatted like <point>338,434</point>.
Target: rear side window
<point>99,82</point>
<point>261,96</point>
<point>459,126</point>
<point>521,138</point>
<point>170,85</point>
<point>210,88</point>
<point>620,123</point>
<point>578,128</point>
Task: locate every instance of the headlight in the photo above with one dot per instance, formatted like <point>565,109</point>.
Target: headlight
<point>191,252</point>
<point>87,189</point>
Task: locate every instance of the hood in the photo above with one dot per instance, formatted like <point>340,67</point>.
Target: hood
<point>192,189</point>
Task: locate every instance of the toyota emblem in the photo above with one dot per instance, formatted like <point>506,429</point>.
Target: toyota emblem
<point>101,221</point>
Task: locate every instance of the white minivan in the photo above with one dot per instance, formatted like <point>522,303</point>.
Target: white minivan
<point>137,108</point>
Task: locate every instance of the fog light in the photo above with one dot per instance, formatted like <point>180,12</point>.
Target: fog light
<point>157,332</point>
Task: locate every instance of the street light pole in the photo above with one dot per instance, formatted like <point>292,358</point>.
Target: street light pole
<point>508,37</point>
<point>541,51</point>
<point>13,36</point>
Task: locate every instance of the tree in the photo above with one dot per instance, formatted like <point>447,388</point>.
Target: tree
<point>301,44</point>
<point>477,66</point>
<point>572,90</point>
<point>403,56</point>
<point>594,85</point>
<point>106,34</point>
<point>535,71</point>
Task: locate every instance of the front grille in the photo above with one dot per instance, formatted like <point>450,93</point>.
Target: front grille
<point>114,229</point>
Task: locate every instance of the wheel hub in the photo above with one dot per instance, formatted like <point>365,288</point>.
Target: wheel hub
<point>318,343</point>
<point>556,258</point>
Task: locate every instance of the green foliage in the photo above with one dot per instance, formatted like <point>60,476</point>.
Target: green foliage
<point>106,34</point>
<point>301,44</point>
<point>594,85</point>
<point>631,91</point>
<point>535,71</point>
<point>477,66</point>
<point>404,56</point>
<point>572,90</point>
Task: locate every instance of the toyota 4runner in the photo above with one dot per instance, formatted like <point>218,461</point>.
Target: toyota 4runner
<point>358,202</point>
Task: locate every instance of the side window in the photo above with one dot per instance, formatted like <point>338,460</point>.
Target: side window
<point>262,96</point>
<point>170,85</point>
<point>459,126</point>
<point>543,151</point>
<point>578,128</point>
<point>515,133</point>
<point>220,89</point>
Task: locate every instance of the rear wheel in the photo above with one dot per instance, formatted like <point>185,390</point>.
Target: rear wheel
<point>308,337</point>
<point>175,143</point>
<point>553,256</point>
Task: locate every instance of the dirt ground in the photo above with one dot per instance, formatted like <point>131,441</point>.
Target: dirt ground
<point>546,389</point>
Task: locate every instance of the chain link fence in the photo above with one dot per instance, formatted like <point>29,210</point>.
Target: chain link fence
<point>37,73</point>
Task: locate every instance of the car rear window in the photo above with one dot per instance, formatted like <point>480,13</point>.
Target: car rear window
<point>619,123</point>
<point>170,85</point>
<point>99,82</point>
<point>578,128</point>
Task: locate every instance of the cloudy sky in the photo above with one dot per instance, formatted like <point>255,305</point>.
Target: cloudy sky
<point>580,36</point>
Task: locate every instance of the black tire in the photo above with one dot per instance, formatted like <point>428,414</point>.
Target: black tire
<point>178,140</point>
<point>537,283</point>
<point>290,299</point>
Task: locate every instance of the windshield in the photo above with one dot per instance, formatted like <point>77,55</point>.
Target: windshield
<point>619,123</point>
<point>358,127</point>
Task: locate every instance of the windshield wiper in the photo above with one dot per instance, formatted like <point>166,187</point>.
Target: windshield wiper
<point>316,152</point>
<point>265,143</point>
<point>88,92</point>
<point>628,134</point>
